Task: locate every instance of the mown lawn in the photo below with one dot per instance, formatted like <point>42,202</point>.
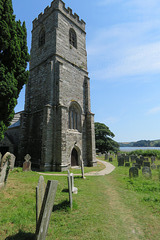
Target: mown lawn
<point>106,207</point>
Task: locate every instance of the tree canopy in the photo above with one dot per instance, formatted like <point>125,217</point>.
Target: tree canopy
<point>13,62</point>
<point>103,137</point>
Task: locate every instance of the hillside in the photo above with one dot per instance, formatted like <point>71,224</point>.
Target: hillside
<point>141,143</point>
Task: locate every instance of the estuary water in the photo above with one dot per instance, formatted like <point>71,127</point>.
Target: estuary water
<point>129,149</point>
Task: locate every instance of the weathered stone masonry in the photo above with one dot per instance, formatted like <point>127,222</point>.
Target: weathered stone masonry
<point>57,126</point>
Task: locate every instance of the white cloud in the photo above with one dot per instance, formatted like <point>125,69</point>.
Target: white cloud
<point>154,110</point>
<point>125,50</point>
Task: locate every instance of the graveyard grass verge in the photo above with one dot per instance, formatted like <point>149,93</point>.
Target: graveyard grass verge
<point>106,207</point>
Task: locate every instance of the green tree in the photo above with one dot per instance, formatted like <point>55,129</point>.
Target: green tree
<point>103,137</point>
<point>13,62</point>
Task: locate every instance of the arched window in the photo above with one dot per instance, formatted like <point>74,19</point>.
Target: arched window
<point>75,116</point>
<point>42,38</point>
<point>73,38</point>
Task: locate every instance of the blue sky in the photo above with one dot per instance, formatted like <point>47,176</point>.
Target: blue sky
<point>123,45</point>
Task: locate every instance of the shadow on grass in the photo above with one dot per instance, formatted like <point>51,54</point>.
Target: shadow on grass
<point>22,236</point>
<point>62,206</point>
<point>65,190</point>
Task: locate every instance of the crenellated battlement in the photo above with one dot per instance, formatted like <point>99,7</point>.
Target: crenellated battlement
<point>60,6</point>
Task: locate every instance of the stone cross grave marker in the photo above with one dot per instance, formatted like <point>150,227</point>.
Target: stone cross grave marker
<point>70,190</point>
<point>40,191</point>
<point>46,210</point>
<point>27,163</point>
<point>133,172</point>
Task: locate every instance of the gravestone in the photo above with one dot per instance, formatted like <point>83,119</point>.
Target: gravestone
<point>27,163</point>
<point>153,166</point>
<point>106,156</point>
<point>6,157</point>
<point>40,191</point>
<point>4,171</point>
<point>46,210</point>
<point>146,171</point>
<point>110,159</point>
<point>133,158</point>
<point>70,190</point>
<point>120,161</point>
<point>146,164</point>
<point>12,161</point>
<point>133,172</point>
<point>82,169</point>
<point>127,164</point>
<point>126,158</point>
<point>74,189</point>
<point>146,159</point>
<point>153,159</point>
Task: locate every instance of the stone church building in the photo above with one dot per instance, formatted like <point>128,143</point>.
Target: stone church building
<point>57,126</point>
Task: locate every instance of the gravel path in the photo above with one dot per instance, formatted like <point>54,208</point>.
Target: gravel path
<point>109,168</point>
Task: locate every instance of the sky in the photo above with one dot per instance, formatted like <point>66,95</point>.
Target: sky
<point>123,50</point>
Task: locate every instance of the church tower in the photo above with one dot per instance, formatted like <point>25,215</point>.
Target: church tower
<point>57,126</point>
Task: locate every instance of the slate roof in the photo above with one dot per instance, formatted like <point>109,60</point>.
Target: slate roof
<point>16,120</point>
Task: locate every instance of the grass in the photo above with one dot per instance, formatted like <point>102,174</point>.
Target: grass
<point>106,207</point>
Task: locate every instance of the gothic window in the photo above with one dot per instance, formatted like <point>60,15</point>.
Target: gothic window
<point>74,117</point>
<point>73,38</point>
<point>42,38</point>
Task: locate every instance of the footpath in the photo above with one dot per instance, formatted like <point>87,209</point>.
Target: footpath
<point>108,169</point>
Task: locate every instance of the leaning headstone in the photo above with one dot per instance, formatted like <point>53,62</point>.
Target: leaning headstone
<point>146,171</point>
<point>27,163</point>
<point>70,190</point>
<point>4,171</point>
<point>6,157</point>
<point>46,210</point>
<point>146,164</point>
<point>40,191</point>
<point>133,172</point>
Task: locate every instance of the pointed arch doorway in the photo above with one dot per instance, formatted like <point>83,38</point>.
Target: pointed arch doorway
<point>74,158</point>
